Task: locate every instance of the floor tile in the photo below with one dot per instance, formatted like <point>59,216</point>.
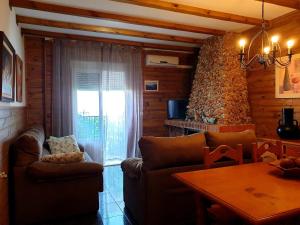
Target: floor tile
<point>121,205</point>
<point>105,197</point>
<point>110,210</point>
<point>118,220</point>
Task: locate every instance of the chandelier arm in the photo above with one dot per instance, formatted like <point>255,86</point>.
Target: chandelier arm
<point>279,58</point>
<point>252,40</point>
<point>280,62</point>
<point>250,61</point>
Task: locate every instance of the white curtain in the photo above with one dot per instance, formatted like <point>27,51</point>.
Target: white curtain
<point>98,89</point>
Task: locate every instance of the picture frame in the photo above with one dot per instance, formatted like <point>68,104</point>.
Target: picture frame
<point>19,79</point>
<point>151,85</point>
<point>7,69</point>
<point>287,79</point>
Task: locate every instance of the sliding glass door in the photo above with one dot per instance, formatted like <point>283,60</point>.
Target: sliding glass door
<point>99,120</point>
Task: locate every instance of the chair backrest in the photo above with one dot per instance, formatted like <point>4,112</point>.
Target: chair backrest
<point>267,146</point>
<point>223,151</point>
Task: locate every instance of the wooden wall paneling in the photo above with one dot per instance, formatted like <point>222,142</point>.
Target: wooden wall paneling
<point>39,57</point>
<point>48,61</point>
<point>174,83</point>
<point>265,108</point>
<point>34,56</point>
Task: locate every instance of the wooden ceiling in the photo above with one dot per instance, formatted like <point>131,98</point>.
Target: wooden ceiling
<point>143,21</point>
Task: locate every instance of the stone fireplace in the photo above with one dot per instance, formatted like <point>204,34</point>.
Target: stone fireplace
<point>219,90</point>
<point>220,87</point>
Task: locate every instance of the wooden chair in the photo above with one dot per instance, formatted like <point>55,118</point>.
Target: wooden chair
<point>218,214</point>
<point>269,146</point>
<point>222,151</point>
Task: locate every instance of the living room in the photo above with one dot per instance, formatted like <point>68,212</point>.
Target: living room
<point>113,112</point>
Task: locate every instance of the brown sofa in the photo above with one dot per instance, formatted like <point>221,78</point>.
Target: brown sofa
<point>41,192</point>
<point>152,195</point>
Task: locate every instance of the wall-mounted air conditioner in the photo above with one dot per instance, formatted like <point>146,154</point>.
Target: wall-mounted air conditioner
<point>162,60</point>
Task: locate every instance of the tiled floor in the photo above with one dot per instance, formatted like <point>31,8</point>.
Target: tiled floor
<point>111,200</point>
<point>111,211</point>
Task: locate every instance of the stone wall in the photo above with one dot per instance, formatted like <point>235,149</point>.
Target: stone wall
<point>220,87</point>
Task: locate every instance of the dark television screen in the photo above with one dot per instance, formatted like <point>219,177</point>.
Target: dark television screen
<point>177,108</point>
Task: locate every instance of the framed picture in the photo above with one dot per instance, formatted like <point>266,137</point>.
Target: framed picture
<point>151,85</point>
<point>7,69</point>
<point>287,79</point>
<point>19,78</point>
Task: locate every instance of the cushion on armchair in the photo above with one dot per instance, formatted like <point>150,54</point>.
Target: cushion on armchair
<point>44,170</point>
<point>69,157</point>
<point>246,138</point>
<point>162,152</point>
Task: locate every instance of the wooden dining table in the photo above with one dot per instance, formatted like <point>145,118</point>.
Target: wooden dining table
<point>258,193</point>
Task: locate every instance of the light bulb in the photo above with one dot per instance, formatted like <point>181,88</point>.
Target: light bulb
<point>275,39</point>
<point>267,50</point>
<point>242,43</point>
<point>290,44</point>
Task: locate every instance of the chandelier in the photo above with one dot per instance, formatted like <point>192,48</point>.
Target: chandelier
<point>270,51</point>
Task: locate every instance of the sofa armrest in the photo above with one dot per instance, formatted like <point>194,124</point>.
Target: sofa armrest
<point>45,171</point>
<point>132,167</point>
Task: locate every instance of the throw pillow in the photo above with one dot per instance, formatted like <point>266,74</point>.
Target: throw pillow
<point>63,144</point>
<point>69,157</point>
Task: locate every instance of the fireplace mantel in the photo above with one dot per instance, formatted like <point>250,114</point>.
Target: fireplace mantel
<point>202,127</point>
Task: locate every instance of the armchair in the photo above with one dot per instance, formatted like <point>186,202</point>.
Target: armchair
<point>42,191</point>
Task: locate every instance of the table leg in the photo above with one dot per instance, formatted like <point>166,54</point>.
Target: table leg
<point>201,210</point>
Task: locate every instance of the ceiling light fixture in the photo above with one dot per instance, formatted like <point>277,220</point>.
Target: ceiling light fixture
<point>270,52</point>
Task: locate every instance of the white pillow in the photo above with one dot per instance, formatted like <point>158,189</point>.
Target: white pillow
<point>63,144</point>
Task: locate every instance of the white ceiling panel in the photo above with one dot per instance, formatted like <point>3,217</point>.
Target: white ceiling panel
<point>105,23</point>
<point>249,8</point>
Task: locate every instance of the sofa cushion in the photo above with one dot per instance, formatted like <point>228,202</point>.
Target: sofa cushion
<point>28,146</point>
<point>132,167</point>
<point>246,138</point>
<point>69,157</point>
<point>44,170</point>
<point>162,152</point>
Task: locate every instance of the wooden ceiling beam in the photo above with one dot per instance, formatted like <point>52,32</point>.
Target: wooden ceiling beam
<point>34,5</point>
<point>294,4</point>
<point>40,33</point>
<point>186,9</point>
<point>107,30</point>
